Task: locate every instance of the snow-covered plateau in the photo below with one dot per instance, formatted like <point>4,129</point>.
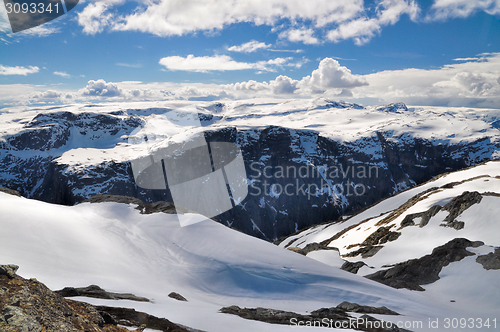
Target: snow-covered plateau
<point>336,158</point>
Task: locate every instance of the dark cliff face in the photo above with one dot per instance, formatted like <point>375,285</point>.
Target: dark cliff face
<point>296,178</point>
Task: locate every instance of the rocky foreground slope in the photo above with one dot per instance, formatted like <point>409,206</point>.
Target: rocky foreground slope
<point>306,161</point>
<point>29,306</point>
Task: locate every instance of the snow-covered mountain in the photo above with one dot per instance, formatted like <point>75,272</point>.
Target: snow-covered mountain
<point>440,238</point>
<point>335,158</point>
<point>116,247</point>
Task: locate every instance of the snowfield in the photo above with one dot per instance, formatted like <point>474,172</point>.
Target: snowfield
<point>474,289</point>
<point>119,249</point>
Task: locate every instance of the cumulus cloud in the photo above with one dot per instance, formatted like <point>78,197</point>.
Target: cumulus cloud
<point>473,83</point>
<point>364,28</point>
<point>205,64</point>
<point>330,74</point>
<point>18,70</point>
<point>444,9</point>
<point>49,94</point>
<point>100,88</point>
<point>283,85</point>
<point>300,35</point>
<point>249,47</point>
<point>95,17</point>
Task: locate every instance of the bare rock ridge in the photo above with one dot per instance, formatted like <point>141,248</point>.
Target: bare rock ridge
<point>325,317</point>
<point>29,306</point>
<point>425,270</point>
<point>160,206</point>
<point>97,292</point>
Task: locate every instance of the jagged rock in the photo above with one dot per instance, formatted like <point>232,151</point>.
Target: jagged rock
<point>177,296</point>
<point>311,247</point>
<point>381,236</point>
<point>29,306</point>
<point>426,216</point>
<point>461,203</point>
<point>365,252</point>
<point>490,261</point>
<point>458,225</point>
<point>16,318</point>
<point>413,273</point>
<point>352,267</point>
<point>9,270</point>
<point>263,314</point>
<point>97,292</point>
<point>364,309</point>
<point>132,318</point>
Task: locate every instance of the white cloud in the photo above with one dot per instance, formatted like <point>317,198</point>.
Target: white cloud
<point>474,83</point>
<point>205,64</point>
<point>49,94</point>
<point>300,35</point>
<point>94,18</point>
<point>17,70</point>
<point>100,88</point>
<point>444,9</point>
<point>330,74</point>
<point>130,65</point>
<point>364,28</point>
<point>249,47</point>
<point>62,74</point>
<point>283,85</point>
<point>178,17</point>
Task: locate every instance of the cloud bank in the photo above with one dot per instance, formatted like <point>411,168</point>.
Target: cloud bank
<point>472,82</point>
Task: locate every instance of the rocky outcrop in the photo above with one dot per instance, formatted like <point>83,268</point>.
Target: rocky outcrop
<point>364,309</point>
<point>380,236</point>
<point>416,272</point>
<point>29,306</point>
<point>177,296</point>
<point>352,267</point>
<point>336,317</point>
<point>425,217</point>
<point>156,207</point>
<point>10,191</point>
<point>97,292</point>
<point>133,318</point>
<point>365,252</point>
<point>458,205</point>
<point>490,261</point>
<point>311,247</point>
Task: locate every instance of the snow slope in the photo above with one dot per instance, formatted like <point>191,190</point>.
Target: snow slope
<point>114,246</point>
<point>474,289</point>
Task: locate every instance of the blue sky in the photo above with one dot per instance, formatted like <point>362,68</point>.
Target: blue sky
<point>432,52</point>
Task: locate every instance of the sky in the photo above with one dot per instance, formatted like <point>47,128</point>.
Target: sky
<point>420,52</point>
